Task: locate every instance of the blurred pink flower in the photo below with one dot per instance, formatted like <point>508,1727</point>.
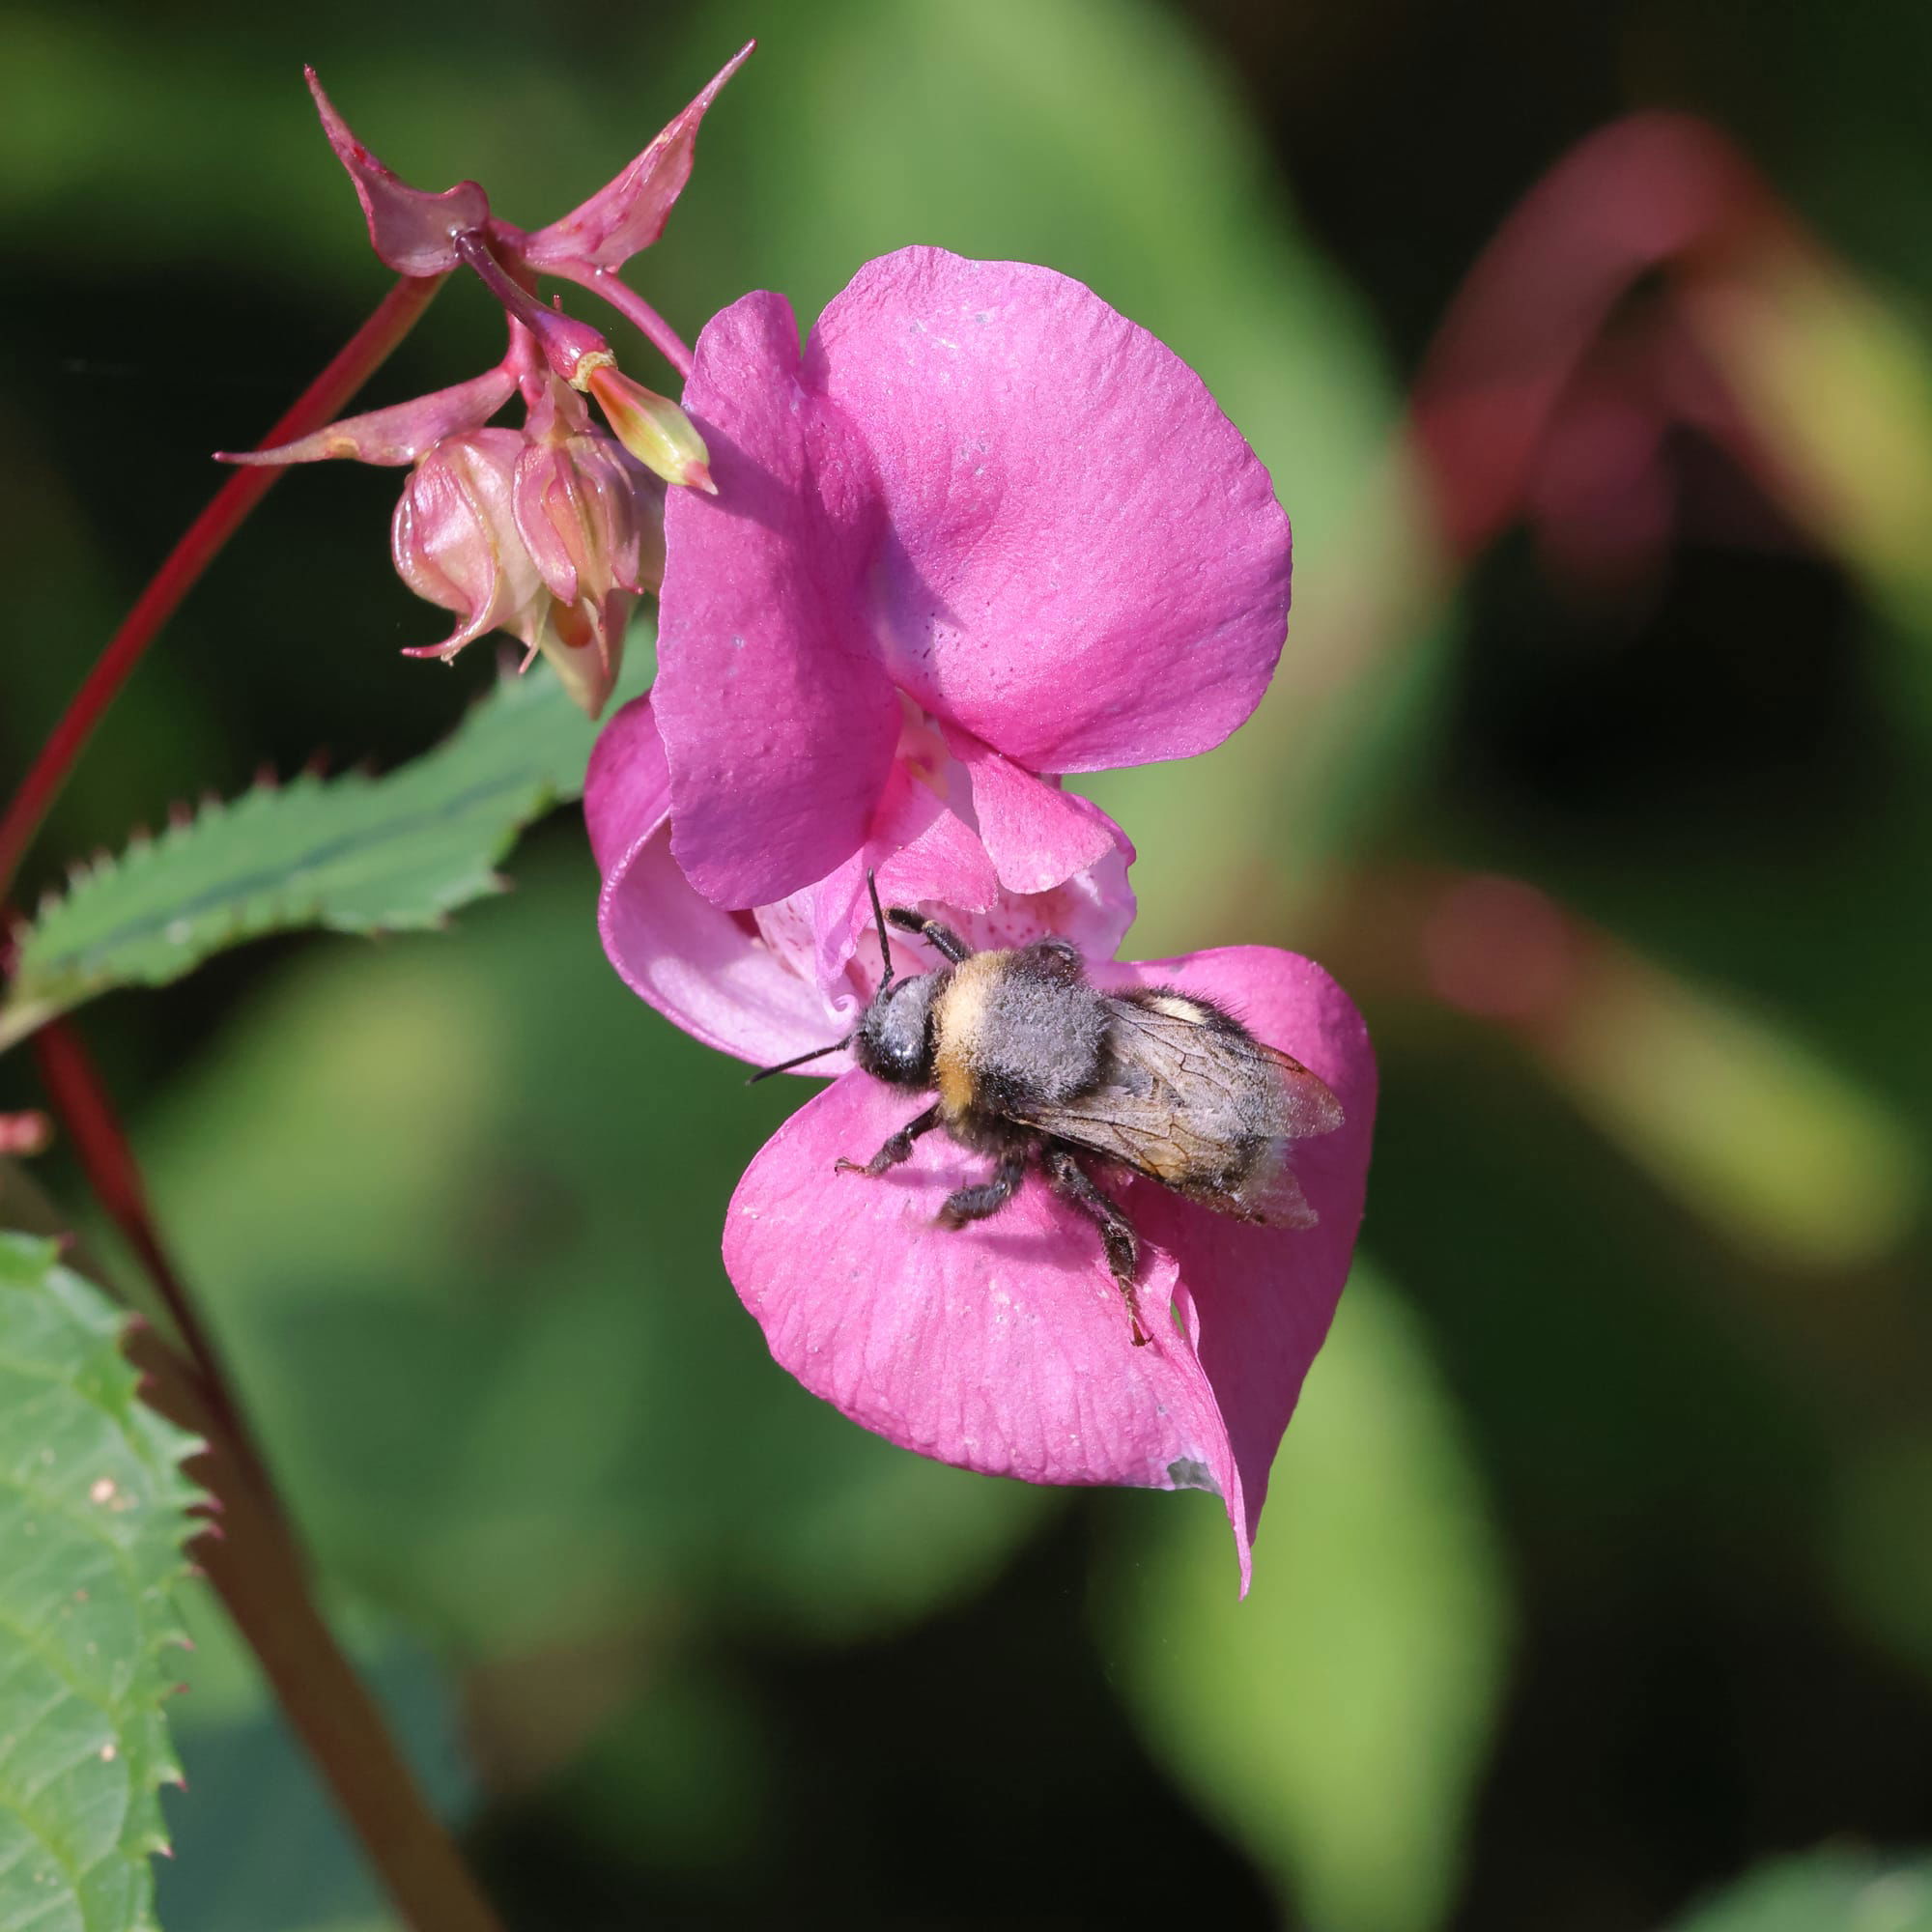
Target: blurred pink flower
<point>979,489</point>
<point>1001,1348</point>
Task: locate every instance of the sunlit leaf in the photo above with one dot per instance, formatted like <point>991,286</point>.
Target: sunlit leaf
<point>93,1519</point>
<point>354,854</point>
<point>1335,1721</point>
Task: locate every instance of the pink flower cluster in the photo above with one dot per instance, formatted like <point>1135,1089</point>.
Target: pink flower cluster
<point>552,530</point>
<point>980,531</point>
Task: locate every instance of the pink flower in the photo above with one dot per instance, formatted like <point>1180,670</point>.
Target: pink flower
<point>1003,1346</point>
<point>981,490</point>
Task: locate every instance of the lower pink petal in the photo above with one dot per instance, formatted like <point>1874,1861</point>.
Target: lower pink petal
<point>1002,1348</point>
<point>1005,1346</point>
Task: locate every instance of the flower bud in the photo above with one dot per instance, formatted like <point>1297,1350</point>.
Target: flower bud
<point>592,521</point>
<point>653,429</point>
<point>455,541</point>
<point>550,537</point>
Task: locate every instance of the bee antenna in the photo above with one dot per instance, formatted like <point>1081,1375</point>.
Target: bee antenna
<point>878,915</point>
<point>798,1060</point>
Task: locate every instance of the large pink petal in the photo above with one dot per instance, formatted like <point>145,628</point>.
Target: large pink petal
<point>1086,564</point>
<point>628,213</point>
<point>778,719</point>
<point>1005,1346</point>
<point>704,968</point>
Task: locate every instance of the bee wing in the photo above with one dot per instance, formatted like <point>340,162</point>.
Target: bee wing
<point>1193,1100</point>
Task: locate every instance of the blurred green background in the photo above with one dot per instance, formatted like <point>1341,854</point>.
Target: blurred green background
<point>1595,1570</point>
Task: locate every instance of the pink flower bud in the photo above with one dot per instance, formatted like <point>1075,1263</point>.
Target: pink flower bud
<point>653,429</point>
<point>455,542</point>
<point>548,537</point>
<point>592,521</point>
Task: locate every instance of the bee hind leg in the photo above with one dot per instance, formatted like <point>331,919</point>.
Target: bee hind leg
<point>894,1150</point>
<point>1072,1182</point>
<point>975,1203</point>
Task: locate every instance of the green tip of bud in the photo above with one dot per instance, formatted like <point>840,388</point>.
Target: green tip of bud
<point>653,429</point>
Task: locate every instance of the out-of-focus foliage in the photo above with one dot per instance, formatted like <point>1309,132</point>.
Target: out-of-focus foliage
<point>1338,1721</point>
<point>1826,1891</point>
<point>92,1517</point>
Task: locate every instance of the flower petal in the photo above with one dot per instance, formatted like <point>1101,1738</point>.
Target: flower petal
<point>705,970</point>
<point>779,722</point>
<point>399,433</point>
<point>1004,1346</point>
<point>412,231</point>
<point>1264,1297</point>
<point>1036,834</point>
<point>629,213</point>
<point>1087,566</point>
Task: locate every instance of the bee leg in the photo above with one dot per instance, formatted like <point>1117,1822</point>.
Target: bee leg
<point>894,1150</point>
<point>975,1203</point>
<point>1072,1182</point>
<point>940,938</point>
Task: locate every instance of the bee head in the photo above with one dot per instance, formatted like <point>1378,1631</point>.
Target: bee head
<point>894,1041</point>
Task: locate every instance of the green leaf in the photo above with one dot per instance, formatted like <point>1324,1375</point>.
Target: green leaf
<point>354,854</point>
<point>1335,1721</point>
<point>93,1519</point>
<point>1824,1892</point>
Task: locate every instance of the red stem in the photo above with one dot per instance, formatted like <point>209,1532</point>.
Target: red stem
<point>81,1097</point>
<point>260,1578</point>
<point>255,1563</point>
<point>355,363</point>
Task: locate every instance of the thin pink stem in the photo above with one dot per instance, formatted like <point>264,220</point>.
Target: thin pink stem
<point>353,364</point>
<point>632,306</point>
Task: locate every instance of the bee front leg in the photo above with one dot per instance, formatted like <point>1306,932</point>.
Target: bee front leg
<point>975,1203</point>
<point>1072,1182</point>
<point>894,1150</point>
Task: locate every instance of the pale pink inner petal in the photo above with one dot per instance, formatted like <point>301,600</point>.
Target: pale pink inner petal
<point>1083,562</point>
<point>1036,834</point>
<point>1003,1346</point>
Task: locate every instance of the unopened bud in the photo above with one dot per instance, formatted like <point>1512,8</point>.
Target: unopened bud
<point>455,542</point>
<point>653,429</point>
<point>592,521</point>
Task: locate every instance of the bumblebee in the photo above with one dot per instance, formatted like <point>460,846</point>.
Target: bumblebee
<point>1034,1066</point>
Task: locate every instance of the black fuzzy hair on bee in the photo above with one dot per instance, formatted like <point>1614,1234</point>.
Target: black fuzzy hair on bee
<point>1034,1066</point>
